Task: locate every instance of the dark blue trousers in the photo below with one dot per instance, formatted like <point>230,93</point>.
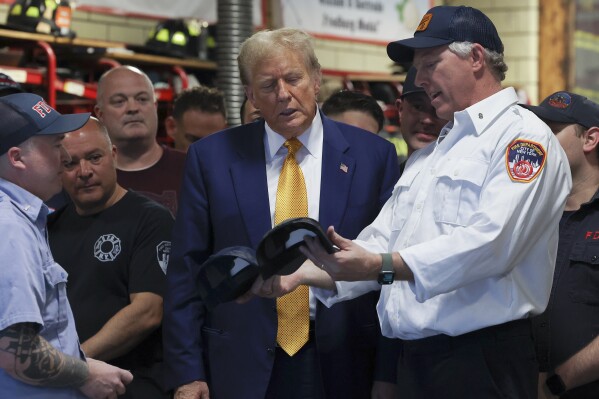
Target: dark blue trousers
<point>297,376</point>
<point>494,362</point>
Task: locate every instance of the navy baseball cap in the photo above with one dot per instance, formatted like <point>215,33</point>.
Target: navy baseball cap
<point>443,25</point>
<point>227,275</point>
<point>279,250</point>
<point>409,85</point>
<point>9,86</point>
<point>25,115</point>
<point>566,107</point>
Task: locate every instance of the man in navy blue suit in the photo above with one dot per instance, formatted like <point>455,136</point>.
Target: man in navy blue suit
<point>228,199</point>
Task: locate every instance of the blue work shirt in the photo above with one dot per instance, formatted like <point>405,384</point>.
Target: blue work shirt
<point>32,285</point>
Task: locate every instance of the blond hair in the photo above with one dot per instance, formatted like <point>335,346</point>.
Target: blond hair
<point>268,43</point>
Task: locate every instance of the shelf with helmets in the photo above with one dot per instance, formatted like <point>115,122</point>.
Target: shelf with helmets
<point>38,49</point>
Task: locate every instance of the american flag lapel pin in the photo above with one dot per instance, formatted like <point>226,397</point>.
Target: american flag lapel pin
<point>343,167</point>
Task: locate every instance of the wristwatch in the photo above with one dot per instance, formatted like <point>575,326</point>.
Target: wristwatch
<point>387,273</point>
<point>555,384</point>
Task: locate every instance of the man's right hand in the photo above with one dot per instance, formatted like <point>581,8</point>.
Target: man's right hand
<point>105,381</point>
<point>193,390</point>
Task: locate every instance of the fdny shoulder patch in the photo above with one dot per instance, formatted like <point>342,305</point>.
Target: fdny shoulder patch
<point>524,160</point>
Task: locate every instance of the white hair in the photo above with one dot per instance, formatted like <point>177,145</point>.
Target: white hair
<point>494,59</point>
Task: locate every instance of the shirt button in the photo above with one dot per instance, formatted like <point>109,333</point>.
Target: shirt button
<point>418,206</point>
<point>594,258</point>
<point>433,171</point>
<point>456,172</point>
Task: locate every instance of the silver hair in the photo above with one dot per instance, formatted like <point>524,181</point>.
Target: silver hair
<point>269,43</point>
<point>494,59</point>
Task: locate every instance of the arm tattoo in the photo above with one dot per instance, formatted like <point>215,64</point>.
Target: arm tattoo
<point>39,363</point>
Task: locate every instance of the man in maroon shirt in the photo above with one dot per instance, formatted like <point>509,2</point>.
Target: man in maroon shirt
<point>126,105</point>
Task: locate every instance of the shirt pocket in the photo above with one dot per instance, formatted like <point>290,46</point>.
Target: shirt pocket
<point>457,190</point>
<point>401,200</point>
<point>583,274</point>
<point>56,311</point>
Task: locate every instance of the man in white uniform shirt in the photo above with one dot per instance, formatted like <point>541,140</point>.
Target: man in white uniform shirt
<point>465,248</point>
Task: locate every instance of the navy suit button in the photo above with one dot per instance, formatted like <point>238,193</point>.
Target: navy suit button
<point>270,351</point>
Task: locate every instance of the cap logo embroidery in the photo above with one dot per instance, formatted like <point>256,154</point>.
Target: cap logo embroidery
<point>524,160</point>
<point>42,108</point>
<point>424,22</point>
<point>560,100</point>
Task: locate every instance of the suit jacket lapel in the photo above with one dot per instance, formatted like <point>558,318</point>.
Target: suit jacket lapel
<point>249,182</point>
<point>337,175</point>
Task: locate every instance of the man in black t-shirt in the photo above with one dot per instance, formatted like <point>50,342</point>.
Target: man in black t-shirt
<point>115,246</point>
<point>567,333</point>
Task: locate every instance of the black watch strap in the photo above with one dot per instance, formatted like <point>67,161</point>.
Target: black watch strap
<point>555,384</point>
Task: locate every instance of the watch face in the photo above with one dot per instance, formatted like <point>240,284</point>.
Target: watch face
<point>386,278</point>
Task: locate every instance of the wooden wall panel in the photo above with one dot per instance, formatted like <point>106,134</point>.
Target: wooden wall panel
<point>555,46</point>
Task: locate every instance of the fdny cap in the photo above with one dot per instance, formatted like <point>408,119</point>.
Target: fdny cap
<point>443,25</point>
<point>279,250</point>
<point>25,115</point>
<point>226,275</point>
<point>566,107</point>
<point>230,273</point>
<point>409,85</point>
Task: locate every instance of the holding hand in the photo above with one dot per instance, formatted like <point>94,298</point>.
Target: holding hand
<point>277,286</point>
<point>193,390</point>
<point>105,381</point>
<point>350,263</point>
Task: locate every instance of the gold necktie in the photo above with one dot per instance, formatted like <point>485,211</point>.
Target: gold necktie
<point>293,309</point>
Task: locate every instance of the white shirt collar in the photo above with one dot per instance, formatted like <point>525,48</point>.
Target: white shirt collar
<point>311,139</point>
<point>484,112</point>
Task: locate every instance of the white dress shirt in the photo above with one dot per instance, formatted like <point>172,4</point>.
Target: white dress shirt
<point>309,158</point>
<point>481,245</point>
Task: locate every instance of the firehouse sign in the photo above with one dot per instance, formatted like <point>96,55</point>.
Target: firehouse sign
<point>373,20</point>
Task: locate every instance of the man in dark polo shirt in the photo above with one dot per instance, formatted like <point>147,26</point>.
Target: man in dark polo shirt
<point>566,333</point>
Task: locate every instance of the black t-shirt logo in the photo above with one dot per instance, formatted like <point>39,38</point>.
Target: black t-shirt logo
<point>107,248</point>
